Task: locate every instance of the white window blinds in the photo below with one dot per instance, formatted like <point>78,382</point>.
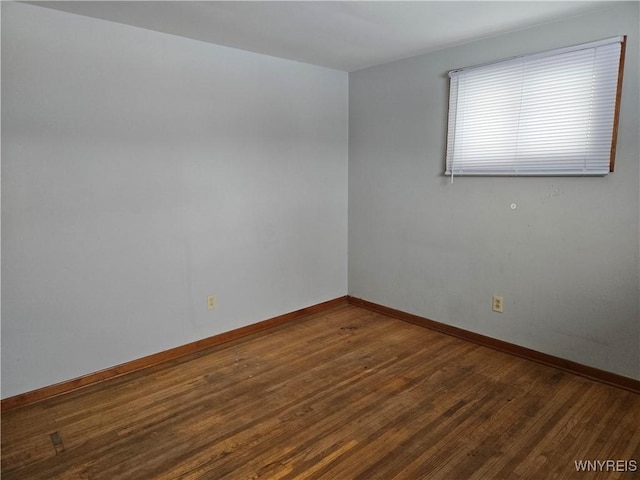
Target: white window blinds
<point>545,114</point>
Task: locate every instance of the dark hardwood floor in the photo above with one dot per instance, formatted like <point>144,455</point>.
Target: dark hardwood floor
<point>344,394</point>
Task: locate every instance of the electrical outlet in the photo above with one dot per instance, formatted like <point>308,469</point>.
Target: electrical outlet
<point>211,302</point>
<point>497,304</point>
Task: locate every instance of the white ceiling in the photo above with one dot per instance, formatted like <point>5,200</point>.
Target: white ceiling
<point>341,35</point>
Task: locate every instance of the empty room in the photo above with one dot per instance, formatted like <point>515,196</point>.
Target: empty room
<point>321,240</point>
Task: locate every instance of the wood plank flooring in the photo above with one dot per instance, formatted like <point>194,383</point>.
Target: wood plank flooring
<point>344,394</point>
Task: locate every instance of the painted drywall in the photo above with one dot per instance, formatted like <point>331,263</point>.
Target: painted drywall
<point>566,260</point>
<point>142,172</point>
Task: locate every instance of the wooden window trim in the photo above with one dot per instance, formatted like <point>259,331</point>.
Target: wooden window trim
<point>616,114</point>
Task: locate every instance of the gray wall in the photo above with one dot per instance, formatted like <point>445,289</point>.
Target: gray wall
<point>566,260</point>
<point>142,172</point>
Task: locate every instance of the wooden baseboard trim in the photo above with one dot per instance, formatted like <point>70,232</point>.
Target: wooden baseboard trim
<point>591,373</point>
<point>161,357</point>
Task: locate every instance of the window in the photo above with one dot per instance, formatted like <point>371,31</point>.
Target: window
<point>553,113</point>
